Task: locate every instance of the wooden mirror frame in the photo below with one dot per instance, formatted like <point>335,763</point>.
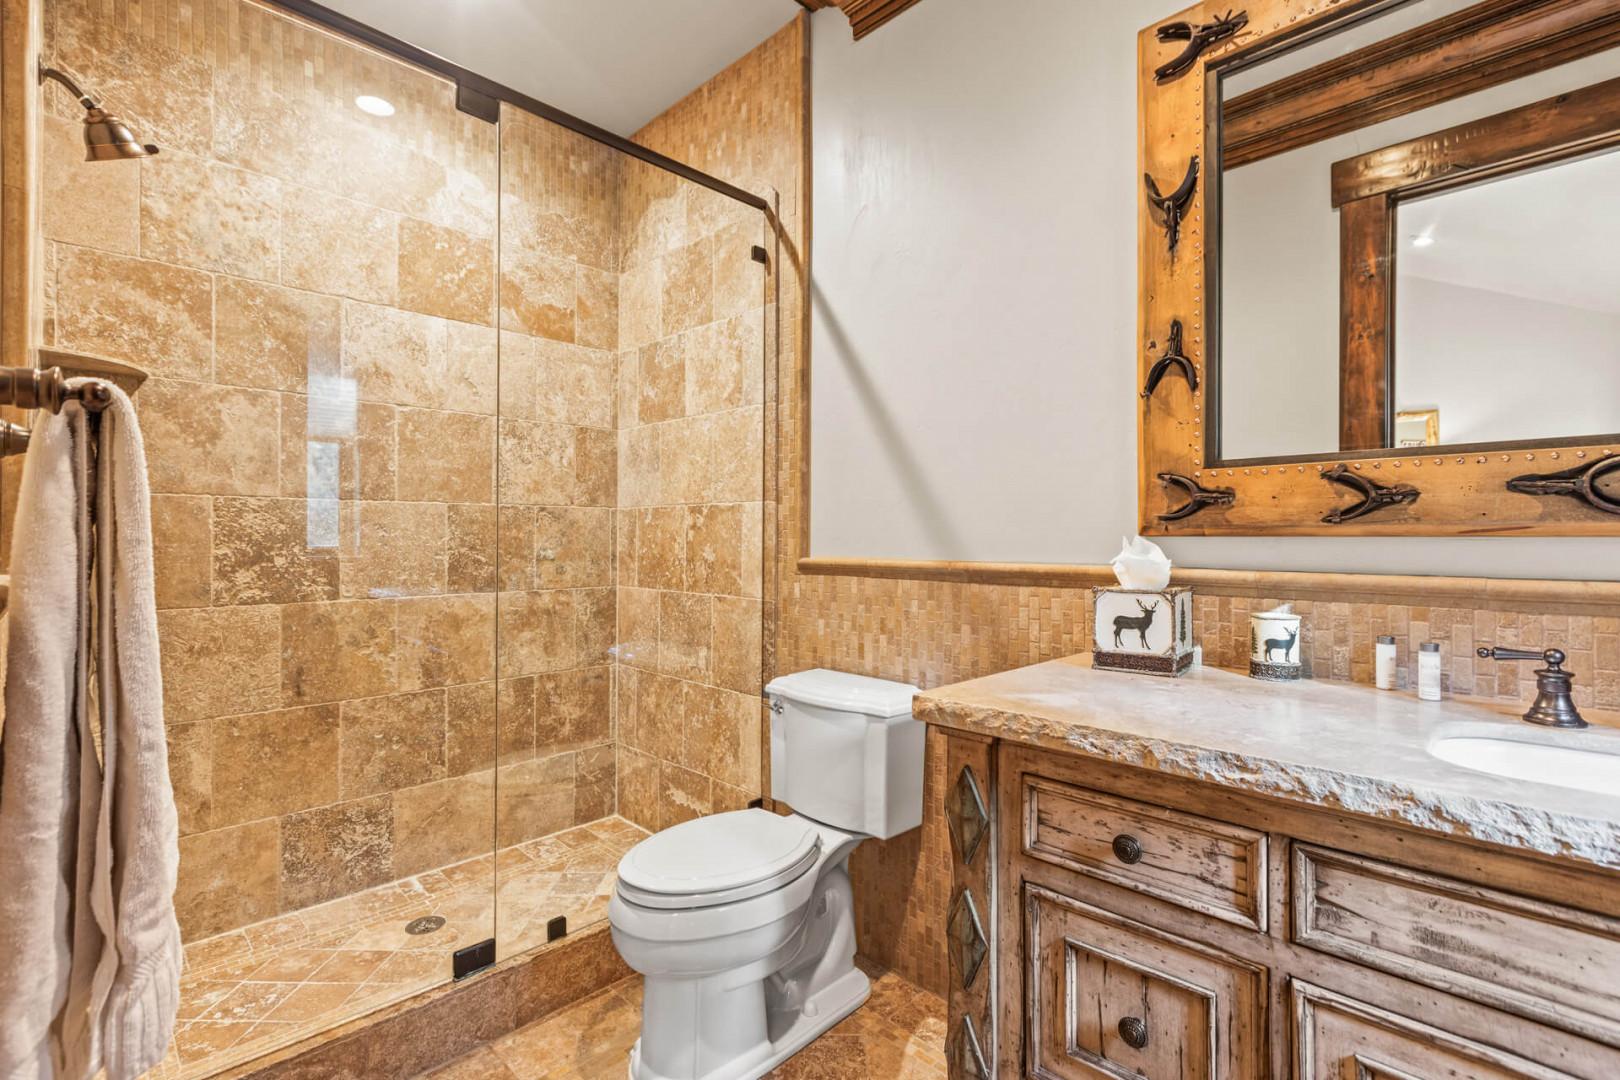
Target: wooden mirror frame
<point>1544,487</point>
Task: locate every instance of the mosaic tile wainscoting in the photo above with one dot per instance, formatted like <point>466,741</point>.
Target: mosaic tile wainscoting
<point>936,632</point>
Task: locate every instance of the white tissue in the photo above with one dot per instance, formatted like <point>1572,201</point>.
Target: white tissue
<point>1276,612</point>
<point>1140,564</point>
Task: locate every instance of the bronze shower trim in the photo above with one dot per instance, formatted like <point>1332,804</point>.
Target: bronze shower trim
<point>106,136</point>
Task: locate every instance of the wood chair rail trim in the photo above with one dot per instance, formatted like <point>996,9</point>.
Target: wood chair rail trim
<point>1554,596</point>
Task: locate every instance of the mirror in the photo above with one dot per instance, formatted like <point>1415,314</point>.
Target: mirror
<point>1418,240</point>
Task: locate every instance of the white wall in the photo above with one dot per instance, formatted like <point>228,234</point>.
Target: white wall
<point>1494,363</point>
<point>974,289</point>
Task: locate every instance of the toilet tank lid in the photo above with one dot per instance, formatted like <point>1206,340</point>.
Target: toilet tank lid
<point>843,691</point>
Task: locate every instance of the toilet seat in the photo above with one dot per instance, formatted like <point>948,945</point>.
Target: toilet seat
<point>718,860</point>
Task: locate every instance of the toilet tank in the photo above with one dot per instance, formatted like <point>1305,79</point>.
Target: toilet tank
<point>845,751</point>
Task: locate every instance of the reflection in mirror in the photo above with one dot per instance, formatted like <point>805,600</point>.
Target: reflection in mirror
<point>1507,301</point>
<point>1415,244</point>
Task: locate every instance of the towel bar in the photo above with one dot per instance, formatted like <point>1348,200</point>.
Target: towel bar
<point>50,388</point>
<point>13,439</point>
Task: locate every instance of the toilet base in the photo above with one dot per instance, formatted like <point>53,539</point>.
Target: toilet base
<point>821,1012</point>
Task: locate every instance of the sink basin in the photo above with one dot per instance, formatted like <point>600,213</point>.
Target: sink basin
<point>1581,768</point>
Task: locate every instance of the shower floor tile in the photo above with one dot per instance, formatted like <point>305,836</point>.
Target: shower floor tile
<point>899,1034</point>
<point>274,983</point>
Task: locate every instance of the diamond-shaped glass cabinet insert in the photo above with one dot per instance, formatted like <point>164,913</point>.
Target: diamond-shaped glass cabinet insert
<point>967,943</point>
<point>967,1057</point>
<point>965,815</point>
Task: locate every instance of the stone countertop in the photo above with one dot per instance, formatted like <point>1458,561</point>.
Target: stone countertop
<point>1349,748</point>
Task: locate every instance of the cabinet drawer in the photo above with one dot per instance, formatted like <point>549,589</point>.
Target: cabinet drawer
<point>1205,865</point>
<point>1550,963</point>
<point>1336,1037</point>
<point>1106,998</point>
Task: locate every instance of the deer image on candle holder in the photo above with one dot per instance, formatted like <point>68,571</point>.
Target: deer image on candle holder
<point>1274,645</point>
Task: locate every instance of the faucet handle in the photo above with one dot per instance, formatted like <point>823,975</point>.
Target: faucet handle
<point>1554,705</point>
<point>1551,657</point>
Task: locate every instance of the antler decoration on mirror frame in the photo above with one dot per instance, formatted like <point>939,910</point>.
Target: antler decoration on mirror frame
<point>1198,38</point>
<point>1173,207</point>
<point>1198,496</point>
<point>1579,482</point>
<point>1173,358</point>
<point>1374,496</point>
<point>1465,488</point>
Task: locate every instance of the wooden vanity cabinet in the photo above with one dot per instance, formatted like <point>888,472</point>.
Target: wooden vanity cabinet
<point>1138,925</point>
<point>1111,997</point>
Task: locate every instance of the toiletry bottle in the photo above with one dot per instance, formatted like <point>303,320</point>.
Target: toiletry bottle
<point>1384,662</point>
<point>1429,671</point>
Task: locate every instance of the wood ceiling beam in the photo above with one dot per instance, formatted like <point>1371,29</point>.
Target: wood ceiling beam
<point>864,16</point>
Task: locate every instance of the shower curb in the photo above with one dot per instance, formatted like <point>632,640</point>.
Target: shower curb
<point>441,1024</point>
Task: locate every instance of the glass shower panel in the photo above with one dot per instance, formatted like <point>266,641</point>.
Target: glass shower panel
<point>559,332</point>
<point>632,519</point>
<point>691,523</point>
<point>311,285</point>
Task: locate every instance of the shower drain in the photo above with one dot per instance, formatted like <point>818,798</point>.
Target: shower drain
<point>425,925</point>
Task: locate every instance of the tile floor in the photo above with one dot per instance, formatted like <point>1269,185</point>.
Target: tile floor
<point>266,986</point>
<point>899,1034</point>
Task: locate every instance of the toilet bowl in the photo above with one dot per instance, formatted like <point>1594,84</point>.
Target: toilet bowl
<point>738,978</point>
<point>742,924</point>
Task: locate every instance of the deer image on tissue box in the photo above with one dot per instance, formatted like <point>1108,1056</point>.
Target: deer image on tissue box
<point>1147,630</point>
<point>1144,624</point>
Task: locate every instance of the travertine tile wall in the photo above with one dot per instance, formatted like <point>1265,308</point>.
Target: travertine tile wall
<point>691,496</point>
<point>315,294</point>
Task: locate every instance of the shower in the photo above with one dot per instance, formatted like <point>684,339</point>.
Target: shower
<point>106,137</point>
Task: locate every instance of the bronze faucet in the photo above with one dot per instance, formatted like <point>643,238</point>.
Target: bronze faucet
<point>1553,707</point>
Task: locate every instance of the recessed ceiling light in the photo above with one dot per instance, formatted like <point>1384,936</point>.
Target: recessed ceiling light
<point>1422,240</point>
<point>376,106</point>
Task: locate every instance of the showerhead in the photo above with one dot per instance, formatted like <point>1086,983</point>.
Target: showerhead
<point>106,137</point>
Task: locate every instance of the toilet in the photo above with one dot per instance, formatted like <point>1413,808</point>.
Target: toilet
<point>741,924</point>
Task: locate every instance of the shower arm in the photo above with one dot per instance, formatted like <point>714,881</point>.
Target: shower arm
<point>59,76</point>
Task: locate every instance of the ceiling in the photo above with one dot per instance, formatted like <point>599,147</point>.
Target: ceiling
<point>1542,235</point>
<point>616,63</point>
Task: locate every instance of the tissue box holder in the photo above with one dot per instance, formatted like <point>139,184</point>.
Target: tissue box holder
<point>1143,630</point>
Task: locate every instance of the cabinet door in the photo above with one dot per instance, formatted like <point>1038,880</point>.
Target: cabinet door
<point>1109,998</point>
<point>1339,1038</point>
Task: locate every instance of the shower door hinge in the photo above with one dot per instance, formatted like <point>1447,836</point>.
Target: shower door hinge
<point>556,928</point>
<point>760,255</point>
<point>477,103</point>
<point>473,959</point>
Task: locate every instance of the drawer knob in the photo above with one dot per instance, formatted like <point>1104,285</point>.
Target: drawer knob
<point>1127,849</point>
<point>1134,1031</point>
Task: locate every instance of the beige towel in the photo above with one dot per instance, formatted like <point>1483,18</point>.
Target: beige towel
<point>39,792</point>
<point>138,838</point>
<point>89,946</point>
